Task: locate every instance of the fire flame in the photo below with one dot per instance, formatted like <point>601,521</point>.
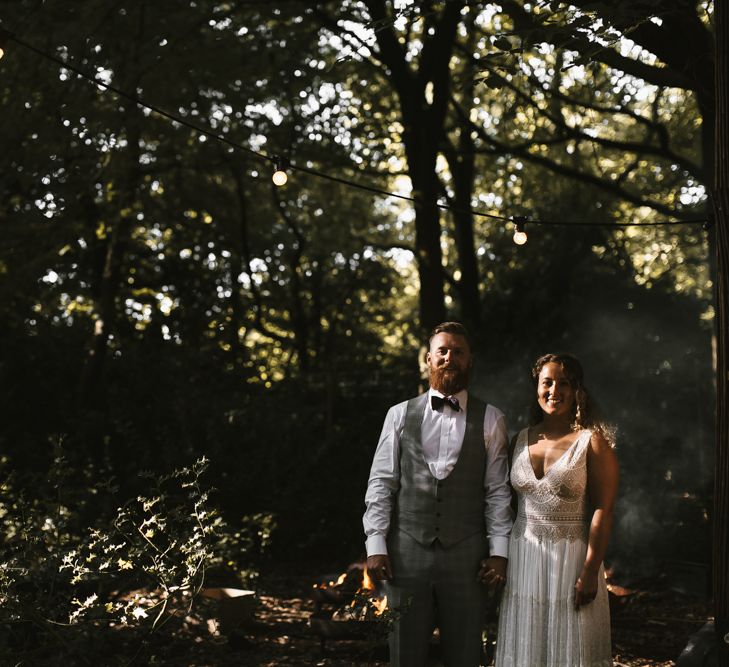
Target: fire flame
<point>368,586</point>
<point>380,606</point>
<point>338,582</point>
<point>620,591</point>
<point>365,603</point>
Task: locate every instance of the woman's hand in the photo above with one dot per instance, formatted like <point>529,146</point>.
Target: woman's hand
<point>585,588</point>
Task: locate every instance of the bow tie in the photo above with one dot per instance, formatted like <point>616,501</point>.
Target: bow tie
<point>439,401</point>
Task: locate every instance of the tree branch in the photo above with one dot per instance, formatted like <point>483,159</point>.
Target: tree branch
<point>353,40</point>
<point>569,132</point>
<point>660,76</point>
<point>564,170</point>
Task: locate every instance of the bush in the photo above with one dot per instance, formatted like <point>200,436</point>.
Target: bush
<point>64,580</point>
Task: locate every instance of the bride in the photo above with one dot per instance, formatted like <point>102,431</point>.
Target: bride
<point>554,612</point>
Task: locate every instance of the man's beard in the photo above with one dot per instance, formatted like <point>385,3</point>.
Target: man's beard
<point>447,380</point>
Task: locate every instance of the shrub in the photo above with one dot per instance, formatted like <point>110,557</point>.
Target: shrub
<point>74,562</point>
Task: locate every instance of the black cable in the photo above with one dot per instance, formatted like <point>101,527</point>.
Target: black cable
<point>276,160</point>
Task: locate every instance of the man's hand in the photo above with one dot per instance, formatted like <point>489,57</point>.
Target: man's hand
<point>379,567</point>
<point>493,572</point>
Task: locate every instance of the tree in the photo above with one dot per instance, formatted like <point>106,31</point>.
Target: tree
<point>721,207</point>
<point>573,108</point>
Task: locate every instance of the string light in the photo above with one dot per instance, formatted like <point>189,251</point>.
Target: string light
<point>280,177</point>
<point>520,235</point>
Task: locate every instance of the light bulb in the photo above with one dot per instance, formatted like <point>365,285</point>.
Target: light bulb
<point>279,177</point>
<point>4,38</point>
<point>520,236</point>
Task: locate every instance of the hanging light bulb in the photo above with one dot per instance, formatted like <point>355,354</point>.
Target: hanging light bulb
<point>279,175</point>
<point>520,235</point>
<point>4,36</point>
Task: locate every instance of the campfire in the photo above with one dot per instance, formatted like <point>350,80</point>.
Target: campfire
<point>350,606</point>
<point>618,596</point>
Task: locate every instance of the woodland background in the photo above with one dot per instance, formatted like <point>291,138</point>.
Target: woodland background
<point>163,303</point>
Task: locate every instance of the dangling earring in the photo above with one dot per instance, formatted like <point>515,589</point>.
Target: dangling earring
<point>579,399</point>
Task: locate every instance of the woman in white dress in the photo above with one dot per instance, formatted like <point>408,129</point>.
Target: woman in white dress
<point>554,611</point>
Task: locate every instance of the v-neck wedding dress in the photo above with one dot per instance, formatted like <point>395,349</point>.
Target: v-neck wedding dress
<point>538,624</point>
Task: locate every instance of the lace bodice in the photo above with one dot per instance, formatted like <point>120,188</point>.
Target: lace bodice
<point>554,506</point>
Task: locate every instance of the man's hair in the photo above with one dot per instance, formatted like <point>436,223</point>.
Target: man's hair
<point>452,328</point>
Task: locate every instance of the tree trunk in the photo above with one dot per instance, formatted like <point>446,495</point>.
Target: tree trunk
<point>721,211</point>
<point>297,310</point>
<point>423,119</point>
<point>463,169</point>
<point>92,392</point>
<point>462,165</point>
<point>421,166</point>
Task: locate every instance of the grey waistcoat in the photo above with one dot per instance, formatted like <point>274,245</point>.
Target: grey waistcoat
<point>451,509</point>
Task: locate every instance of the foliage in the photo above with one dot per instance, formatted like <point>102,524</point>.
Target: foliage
<point>165,537</point>
<point>141,564</point>
<point>239,553</point>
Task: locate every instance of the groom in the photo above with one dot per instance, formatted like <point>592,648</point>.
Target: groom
<point>437,505</point>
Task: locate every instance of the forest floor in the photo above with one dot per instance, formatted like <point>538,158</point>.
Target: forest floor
<point>651,625</point>
<point>650,628</point>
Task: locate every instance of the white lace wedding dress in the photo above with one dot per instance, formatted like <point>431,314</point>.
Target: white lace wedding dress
<point>538,624</point>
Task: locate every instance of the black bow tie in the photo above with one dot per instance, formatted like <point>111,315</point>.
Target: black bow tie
<point>439,401</point>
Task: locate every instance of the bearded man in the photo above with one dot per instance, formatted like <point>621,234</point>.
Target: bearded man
<point>438,511</point>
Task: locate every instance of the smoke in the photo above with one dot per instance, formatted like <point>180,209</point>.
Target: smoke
<point>651,375</point>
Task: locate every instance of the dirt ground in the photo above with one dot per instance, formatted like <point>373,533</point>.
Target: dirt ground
<point>650,627</point>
